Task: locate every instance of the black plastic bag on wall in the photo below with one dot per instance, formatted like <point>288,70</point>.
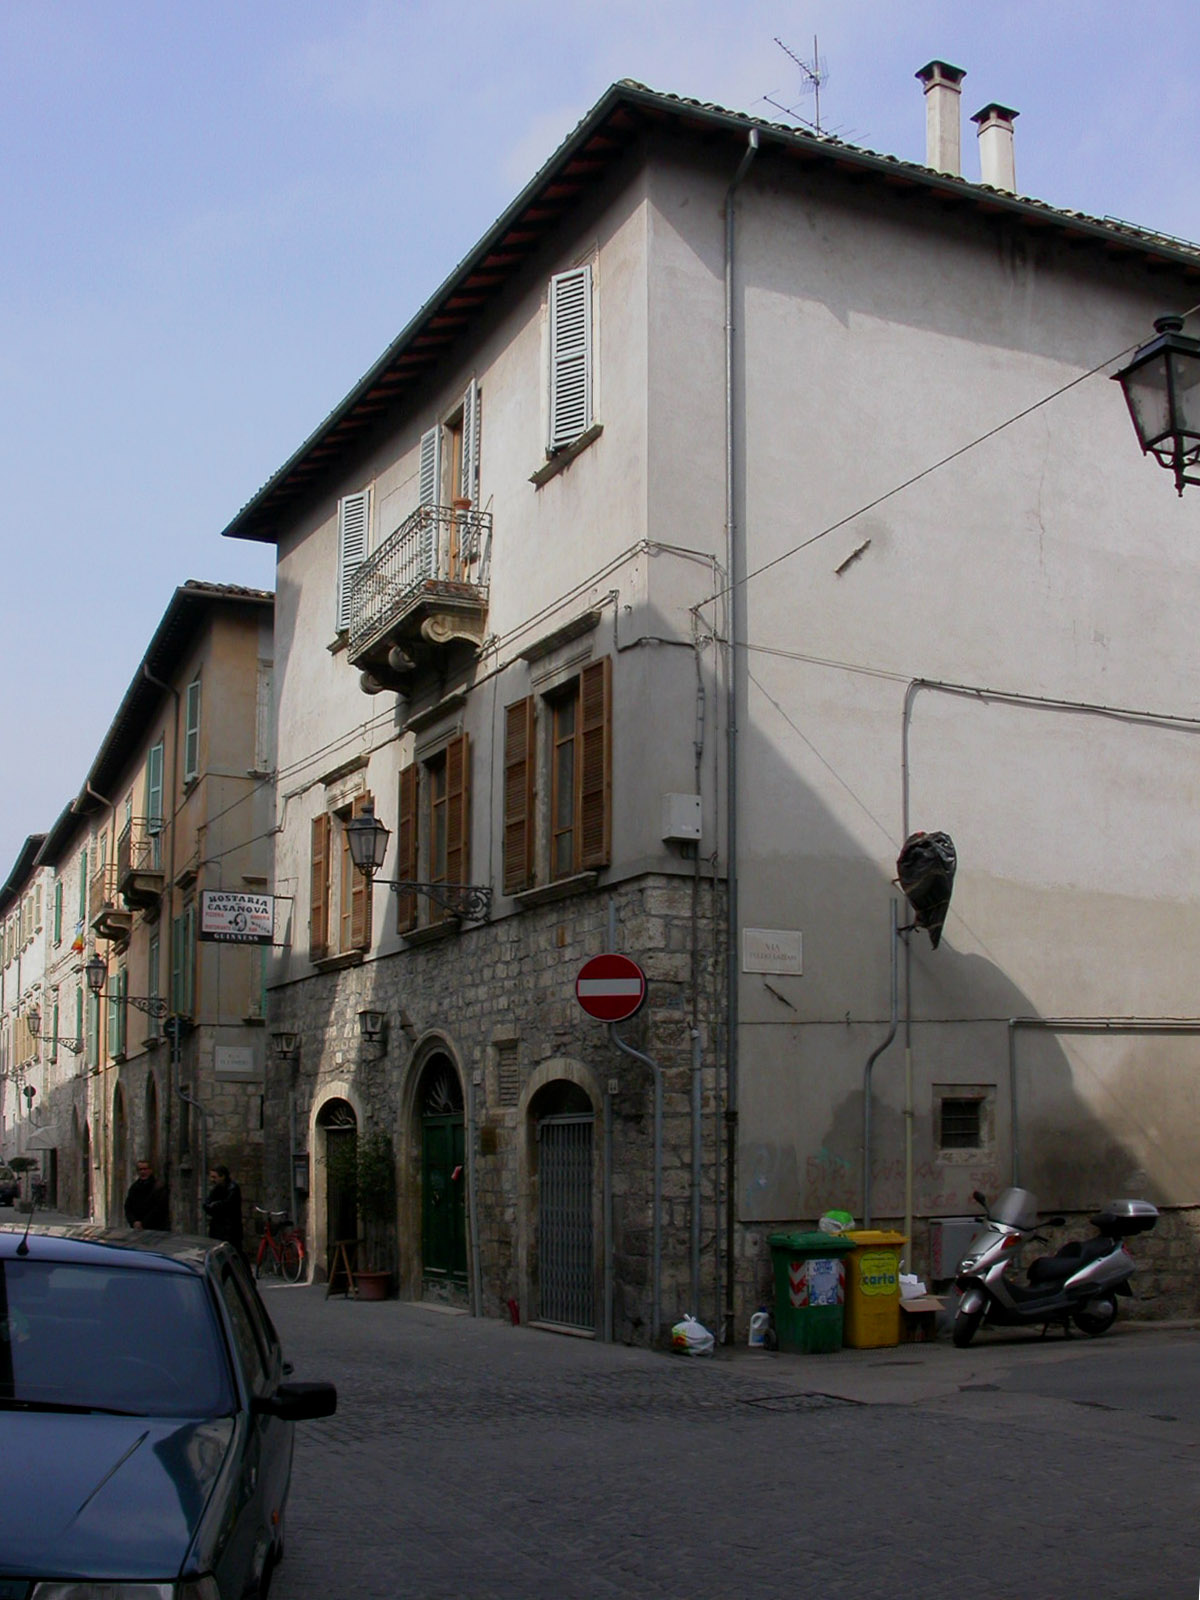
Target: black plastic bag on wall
<point>925,871</point>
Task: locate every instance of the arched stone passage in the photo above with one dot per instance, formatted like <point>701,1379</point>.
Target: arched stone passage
<point>334,1207</point>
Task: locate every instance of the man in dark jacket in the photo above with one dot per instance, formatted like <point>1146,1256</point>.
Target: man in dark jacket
<point>224,1207</point>
<point>146,1203</point>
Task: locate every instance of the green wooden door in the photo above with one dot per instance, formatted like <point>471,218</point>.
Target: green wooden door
<point>443,1197</point>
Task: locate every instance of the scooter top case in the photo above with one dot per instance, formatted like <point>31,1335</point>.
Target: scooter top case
<point>1121,1218</point>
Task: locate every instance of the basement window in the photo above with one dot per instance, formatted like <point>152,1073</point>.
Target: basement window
<point>961,1127</point>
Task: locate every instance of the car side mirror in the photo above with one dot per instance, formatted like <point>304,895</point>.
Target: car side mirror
<point>980,1199</point>
<point>298,1402</point>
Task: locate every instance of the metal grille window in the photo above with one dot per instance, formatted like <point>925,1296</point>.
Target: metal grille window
<point>565,1248</point>
<point>961,1124</point>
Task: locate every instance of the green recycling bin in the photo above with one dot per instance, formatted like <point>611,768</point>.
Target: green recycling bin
<point>810,1290</point>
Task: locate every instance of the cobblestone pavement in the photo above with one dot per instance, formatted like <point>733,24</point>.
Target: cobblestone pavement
<point>469,1458</point>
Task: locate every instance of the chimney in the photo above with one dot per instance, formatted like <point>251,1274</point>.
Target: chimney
<point>997,164</point>
<point>943,146</point>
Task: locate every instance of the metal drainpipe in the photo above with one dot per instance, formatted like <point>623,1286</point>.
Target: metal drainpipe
<point>697,1185</point>
<point>657,1221</point>
<point>608,1217</point>
<point>894,939</point>
<point>733,568</point>
<point>176,1056</point>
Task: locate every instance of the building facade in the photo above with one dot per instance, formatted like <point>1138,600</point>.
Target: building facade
<point>743,504</point>
<point>155,1038</point>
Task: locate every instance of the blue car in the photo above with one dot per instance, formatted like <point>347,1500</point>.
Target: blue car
<point>148,1410</point>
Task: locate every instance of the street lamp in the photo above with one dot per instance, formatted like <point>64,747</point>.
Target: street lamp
<point>367,839</point>
<point>33,1019</point>
<point>1162,390</point>
<point>96,971</point>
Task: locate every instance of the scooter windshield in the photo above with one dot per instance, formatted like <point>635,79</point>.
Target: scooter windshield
<point>1016,1208</point>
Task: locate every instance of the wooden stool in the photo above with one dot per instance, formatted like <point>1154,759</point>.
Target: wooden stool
<point>341,1264</point>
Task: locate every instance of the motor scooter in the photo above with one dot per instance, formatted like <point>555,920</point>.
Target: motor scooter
<point>1078,1284</point>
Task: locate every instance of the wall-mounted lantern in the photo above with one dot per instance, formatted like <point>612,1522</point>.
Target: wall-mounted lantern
<point>287,1044</point>
<point>1162,389</point>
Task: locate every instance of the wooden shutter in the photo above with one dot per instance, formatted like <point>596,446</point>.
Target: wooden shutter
<point>595,777</point>
<point>406,849</point>
<point>468,485</point>
<point>191,731</point>
<point>570,356</point>
<point>360,888</point>
<point>519,766</point>
<point>353,530</point>
<point>458,810</point>
<point>318,914</point>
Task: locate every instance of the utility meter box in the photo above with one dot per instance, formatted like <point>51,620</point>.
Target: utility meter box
<point>681,818</point>
<point>948,1241</point>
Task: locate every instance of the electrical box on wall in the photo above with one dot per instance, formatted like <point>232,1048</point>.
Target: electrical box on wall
<point>948,1241</point>
<point>681,818</point>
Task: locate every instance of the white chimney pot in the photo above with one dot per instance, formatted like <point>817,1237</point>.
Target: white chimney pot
<point>997,163</point>
<point>943,141</point>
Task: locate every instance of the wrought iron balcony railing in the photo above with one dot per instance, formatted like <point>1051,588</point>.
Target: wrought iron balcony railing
<point>140,860</point>
<point>433,567</point>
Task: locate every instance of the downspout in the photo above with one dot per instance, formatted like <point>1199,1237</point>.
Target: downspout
<point>656,1259</point>
<point>871,1060</point>
<point>176,1053</point>
<point>697,1058</point>
<point>473,1196</point>
<point>733,566</point>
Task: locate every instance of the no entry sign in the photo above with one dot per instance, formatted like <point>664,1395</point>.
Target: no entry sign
<point>610,988</point>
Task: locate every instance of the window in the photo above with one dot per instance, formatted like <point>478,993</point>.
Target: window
<point>54,1030</point>
<point>83,885</point>
<point>264,718</point>
<point>118,1014</point>
<point>354,537</point>
<point>340,896</point>
<point>183,974</point>
<point>560,744</point>
<point>433,833</point>
<point>93,1030</point>
<point>191,731</point>
<point>570,357</point>
<point>154,802</point>
<point>152,967</point>
<point>58,908</point>
<point>964,1120</point>
<point>448,476</point>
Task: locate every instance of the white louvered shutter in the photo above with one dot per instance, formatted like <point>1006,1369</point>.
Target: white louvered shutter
<point>429,477</point>
<point>570,356</point>
<point>353,526</point>
<point>469,485</point>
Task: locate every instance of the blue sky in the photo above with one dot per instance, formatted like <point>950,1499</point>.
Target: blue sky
<point>216,215</point>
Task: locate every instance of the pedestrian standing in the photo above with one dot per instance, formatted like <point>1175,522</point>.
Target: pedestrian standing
<point>146,1203</point>
<point>224,1207</point>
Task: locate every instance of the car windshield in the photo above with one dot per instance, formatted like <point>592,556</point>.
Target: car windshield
<point>105,1338</point>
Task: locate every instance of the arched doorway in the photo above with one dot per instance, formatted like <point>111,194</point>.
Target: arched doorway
<point>443,1175</point>
<point>85,1182</point>
<point>565,1257</point>
<point>152,1144</point>
<point>118,1175</point>
<point>338,1125</point>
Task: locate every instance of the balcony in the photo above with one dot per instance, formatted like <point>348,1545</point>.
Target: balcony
<point>108,919</point>
<point>139,863</point>
<point>422,595</point>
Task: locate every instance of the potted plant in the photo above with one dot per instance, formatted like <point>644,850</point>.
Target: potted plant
<point>375,1181</point>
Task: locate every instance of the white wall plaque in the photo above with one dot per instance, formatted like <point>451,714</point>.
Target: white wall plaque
<point>778,950</point>
<point>236,1061</point>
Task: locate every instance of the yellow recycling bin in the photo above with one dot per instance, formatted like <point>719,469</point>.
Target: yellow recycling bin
<point>872,1289</point>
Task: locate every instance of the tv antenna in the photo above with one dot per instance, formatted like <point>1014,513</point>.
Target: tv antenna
<point>815,73</point>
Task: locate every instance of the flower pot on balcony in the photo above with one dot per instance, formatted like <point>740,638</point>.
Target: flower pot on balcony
<point>373,1285</point>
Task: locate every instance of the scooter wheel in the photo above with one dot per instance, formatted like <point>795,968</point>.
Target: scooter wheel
<point>1097,1316</point>
<point>966,1325</point>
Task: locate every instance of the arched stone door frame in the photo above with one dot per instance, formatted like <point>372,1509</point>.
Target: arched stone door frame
<point>319,1244</point>
<point>409,1164</point>
<point>559,1069</point>
<point>119,1169</point>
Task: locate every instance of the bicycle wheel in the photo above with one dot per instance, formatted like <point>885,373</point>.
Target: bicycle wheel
<point>293,1258</point>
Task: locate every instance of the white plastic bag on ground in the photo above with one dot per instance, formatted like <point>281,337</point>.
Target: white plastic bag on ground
<point>691,1338</point>
<point>911,1287</point>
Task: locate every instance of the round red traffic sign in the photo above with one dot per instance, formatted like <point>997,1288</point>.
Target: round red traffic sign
<point>610,988</point>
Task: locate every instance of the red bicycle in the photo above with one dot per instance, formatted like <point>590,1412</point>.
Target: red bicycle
<point>279,1253</point>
